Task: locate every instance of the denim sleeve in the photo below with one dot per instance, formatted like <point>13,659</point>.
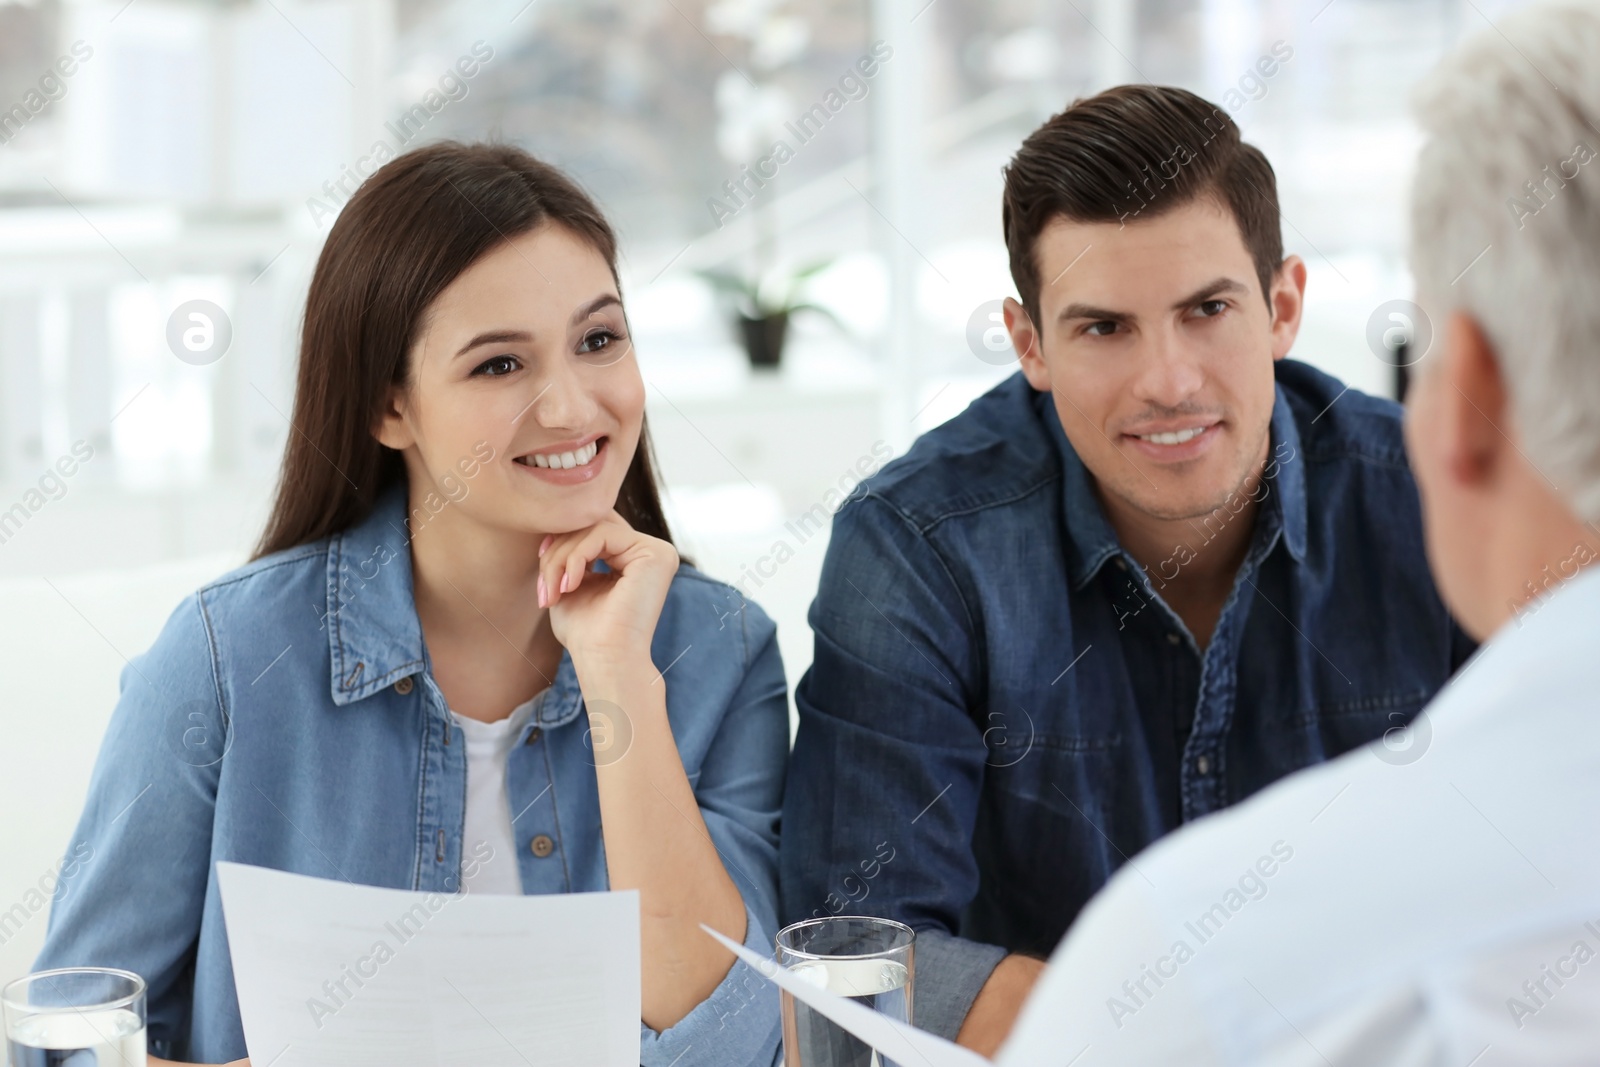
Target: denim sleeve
<point>888,763</point>
<point>140,858</point>
<point>951,972</point>
<point>740,793</point>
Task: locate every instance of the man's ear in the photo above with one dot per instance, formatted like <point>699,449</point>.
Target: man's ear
<point>1477,417</point>
<point>1025,339</point>
<point>391,427</point>
<point>1287,301</point>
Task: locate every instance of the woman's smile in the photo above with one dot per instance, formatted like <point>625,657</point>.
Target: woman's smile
<point>567,463</point>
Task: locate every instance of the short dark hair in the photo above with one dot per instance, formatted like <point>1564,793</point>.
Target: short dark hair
<point>1107,158</point>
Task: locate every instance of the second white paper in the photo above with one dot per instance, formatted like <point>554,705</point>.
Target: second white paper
<point>331,974</point>
<point>892,1038</point>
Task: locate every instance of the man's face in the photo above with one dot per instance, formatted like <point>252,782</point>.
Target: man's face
<point>1157,347</point>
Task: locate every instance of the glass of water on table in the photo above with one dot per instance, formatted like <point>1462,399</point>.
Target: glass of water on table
<point>75,1017</point>
<point>866,959</point>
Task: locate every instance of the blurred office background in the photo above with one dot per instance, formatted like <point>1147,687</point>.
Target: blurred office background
<point>156,152</point>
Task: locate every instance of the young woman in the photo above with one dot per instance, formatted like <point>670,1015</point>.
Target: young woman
<point>466,656</point>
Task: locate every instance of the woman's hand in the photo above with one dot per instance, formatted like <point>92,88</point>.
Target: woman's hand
<point>605,614</point>
<point>655,837</point>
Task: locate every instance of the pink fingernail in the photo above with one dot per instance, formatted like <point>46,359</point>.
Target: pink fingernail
<point>546,543</point>
<point>563,583</point>
<point>541,591</point>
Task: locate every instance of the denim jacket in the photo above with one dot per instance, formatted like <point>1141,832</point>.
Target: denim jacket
<point>1002,709</point>
<point>287,717</point>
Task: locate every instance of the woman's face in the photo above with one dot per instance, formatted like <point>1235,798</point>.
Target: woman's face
<point>525,402</point>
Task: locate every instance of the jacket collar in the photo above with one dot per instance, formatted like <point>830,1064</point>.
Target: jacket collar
<point>1090,540</point>
<point>374,636</point>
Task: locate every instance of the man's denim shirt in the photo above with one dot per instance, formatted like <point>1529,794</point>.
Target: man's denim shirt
<point>287,717</point>
<point>1002,709</point>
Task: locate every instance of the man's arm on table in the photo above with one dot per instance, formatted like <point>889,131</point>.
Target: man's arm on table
<point>999,1003</point>
<point>888,762</point>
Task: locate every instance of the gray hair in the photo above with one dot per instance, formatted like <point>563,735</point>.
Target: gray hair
<point>1511,164</point>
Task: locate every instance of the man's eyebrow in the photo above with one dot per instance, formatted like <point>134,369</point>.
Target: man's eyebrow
<point>1089,311</point>
<point>1214,288</point>
<point>1211,289</point>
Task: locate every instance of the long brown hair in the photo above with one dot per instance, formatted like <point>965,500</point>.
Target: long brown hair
<point>409,231</point>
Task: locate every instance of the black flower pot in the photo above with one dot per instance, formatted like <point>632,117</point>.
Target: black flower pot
<point>764,338</point>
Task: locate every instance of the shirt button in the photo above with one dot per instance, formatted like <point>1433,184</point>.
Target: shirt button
<point>403,686</point>
<point>1174,639</point>
<point>1121,566</point>
<point>1202,765</point>
<point>542,846</point>
<point>534,734</point>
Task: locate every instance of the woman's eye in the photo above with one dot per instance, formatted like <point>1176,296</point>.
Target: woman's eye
<point>499,365</point>
<point>598,341</point>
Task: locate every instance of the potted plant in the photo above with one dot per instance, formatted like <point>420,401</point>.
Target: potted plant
<point>762,306</point>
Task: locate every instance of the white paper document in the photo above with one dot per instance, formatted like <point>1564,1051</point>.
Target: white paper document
<point>331,974</point>
<point>894,1040</point>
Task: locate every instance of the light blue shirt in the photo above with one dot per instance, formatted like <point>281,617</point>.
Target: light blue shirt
<point>287,717</point>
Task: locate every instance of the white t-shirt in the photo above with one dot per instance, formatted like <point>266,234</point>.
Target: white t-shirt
<point>488,818</point>
<point>1431,900</point>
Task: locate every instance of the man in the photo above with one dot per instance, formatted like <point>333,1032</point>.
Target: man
<point>1155,571</point>
<point>1445,910</point>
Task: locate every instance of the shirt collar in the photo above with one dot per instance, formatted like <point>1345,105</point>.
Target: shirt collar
<point>374,637</point>
<point>1090,540</point>
<point>1286,468</point>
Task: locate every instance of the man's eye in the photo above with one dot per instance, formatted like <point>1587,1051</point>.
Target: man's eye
<point>1100,329</point>
<point>1213,308</point>
<point>497,366</point>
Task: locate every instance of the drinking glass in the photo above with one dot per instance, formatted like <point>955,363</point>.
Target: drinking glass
<point>865,959</point>
<point>75,1017</point>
